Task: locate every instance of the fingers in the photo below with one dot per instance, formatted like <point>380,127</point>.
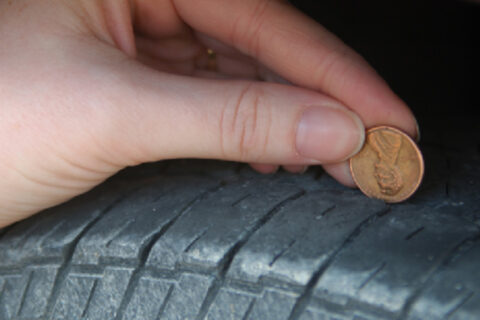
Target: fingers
<point>264,168</point>
<point>168,116</point>
<point>302,52</point>
<point>271,168</point>
<point>158,19</point>
<point>341,173</point>
<point>296,169</point>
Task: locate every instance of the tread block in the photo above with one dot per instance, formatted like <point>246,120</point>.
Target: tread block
<point>205,234</point>
<point>453,292</point>
<point>38,291</point>
<point>146,302</point>
<point>92,297</point>
<point>292,246</point>
<point>108,295</point>
<point>74,296</point>
<point>310,314</point>
<point>316,314</point>
<point>187,297</point>
<point>47,234</point>
<point>263,307</point>
<point>388,261</point>
<point>122,232</point>
<point>11,296</point>
<point>230,305</point>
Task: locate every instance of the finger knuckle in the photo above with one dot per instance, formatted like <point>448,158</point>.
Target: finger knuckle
<point>246,124</point>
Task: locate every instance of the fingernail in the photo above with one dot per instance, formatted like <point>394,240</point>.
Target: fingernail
<point>274,170</point>
<point>418,131</point>
<point>303,170</point>
<point>329,134</point>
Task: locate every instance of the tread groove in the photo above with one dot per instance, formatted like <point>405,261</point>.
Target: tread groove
<point>25,291</point>
<point>282,252</point>
<point>226,261</point>
<point>237,202</point>
<point>210,297</point>
<point>119,231</point>
<point>462,247</point>
<point>324,213</point>
<point>165,301</point>
<point>51,231</point>
<point>20,242</point>
<point>146,248</point>
<point>459,305</point>
<point>89,299</point>
<point>190,246</point>
<point>304,298</point>
<point>414,233</point>
<point>249,310</point>
<point>372,275</point>
<point>2,289</point>
<point>70,250</point>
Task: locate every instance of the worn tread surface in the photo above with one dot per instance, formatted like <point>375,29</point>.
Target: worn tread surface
<point>213,240</point>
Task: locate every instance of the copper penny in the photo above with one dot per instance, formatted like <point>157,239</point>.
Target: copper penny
<point>389,166</point>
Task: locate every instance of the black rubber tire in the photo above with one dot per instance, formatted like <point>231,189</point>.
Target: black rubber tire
<point>213,240</point>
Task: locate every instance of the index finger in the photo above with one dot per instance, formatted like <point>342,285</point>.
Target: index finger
<point>301,51</point>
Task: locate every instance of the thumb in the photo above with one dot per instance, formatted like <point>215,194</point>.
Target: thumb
<point>169,116</point>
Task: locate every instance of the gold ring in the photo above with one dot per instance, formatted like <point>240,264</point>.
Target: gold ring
<point>212,60</point>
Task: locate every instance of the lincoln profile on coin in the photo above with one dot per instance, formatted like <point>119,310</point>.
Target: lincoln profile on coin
<point>387,146</point>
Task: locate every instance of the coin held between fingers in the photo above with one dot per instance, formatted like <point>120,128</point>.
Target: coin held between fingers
<point>389,167</point>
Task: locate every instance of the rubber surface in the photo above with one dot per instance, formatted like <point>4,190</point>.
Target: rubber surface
<point>214,240</point>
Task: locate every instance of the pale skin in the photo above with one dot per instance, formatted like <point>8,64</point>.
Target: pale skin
<point>90,87</point>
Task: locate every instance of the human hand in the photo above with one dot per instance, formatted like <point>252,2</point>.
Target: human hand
<point>89,87</point>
